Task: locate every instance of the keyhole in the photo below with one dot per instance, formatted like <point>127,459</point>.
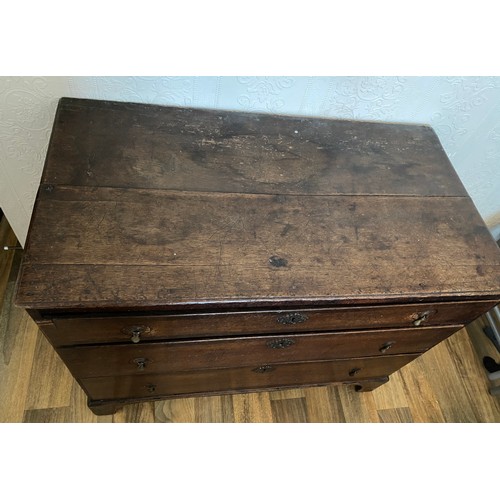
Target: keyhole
<point>263,369</point>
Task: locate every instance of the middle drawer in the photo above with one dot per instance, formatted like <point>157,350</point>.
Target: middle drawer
<point>175,356</point>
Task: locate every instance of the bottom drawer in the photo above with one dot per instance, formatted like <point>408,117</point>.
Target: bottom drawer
<point>245,378</point>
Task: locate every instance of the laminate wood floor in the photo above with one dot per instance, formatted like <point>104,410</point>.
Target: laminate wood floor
<point>446,384</point>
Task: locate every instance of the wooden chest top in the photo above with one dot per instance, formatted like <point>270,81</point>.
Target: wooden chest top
<point>149,207</point>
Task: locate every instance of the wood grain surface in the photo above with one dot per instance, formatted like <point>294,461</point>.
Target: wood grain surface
<point>143,146</point>
<point>133,248</point>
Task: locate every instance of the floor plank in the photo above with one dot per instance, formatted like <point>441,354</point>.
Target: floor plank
<point>391,395</point>
<point>137,413</point>
<point>395,415</point>
<point>289,410</point>
<point>175,410</point>
<point>422,400</point>
<point>447,385</point>
<point>50,380</point>
<point>357,406</point>
<point>252,407</point>
<point>214,409</point>
<point>15,371</point>
<point>46,416</point>
<point>18,336</point>
<point>335,403</point>
<point>319,407</point>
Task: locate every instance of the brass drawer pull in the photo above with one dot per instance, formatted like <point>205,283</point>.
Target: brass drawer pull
<point>280,343</point>
<point>135,332</point>
<point>140,362</point>
<point>385,347</point>
<point>354,371</point>
<point>421,317</point>
<point>263,369</point>
<point>292,318</point>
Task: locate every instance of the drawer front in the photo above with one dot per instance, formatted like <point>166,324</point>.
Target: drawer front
<point>111,360</point>
<point>246,378</point>
<point>135,329</point>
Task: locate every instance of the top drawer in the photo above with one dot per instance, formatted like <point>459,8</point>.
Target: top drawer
<point>63,331</point>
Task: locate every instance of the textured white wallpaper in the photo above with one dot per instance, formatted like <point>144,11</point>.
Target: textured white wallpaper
<point>464,111</point>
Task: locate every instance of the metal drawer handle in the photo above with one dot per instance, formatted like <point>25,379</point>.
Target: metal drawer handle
<point>280,343</point>
<point>263,369</point>
<point>141,363</point>
<point>135,332</point>
<point>150,387</point>
<point>419,318</point>
<point>292,318</point>
<point>385,347</point>
<point>354,371</point>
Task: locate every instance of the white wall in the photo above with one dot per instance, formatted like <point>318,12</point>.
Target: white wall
<point>464,111</point>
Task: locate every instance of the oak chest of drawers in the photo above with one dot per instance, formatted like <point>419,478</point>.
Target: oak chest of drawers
<point>176,252</point>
